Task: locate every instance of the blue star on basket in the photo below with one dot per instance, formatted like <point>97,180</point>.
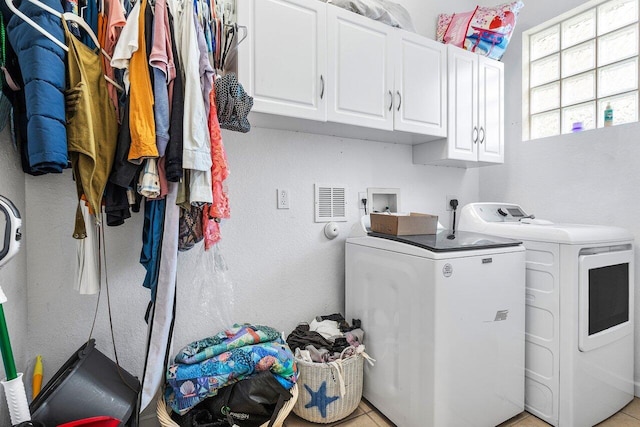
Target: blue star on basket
<point>320,399</point>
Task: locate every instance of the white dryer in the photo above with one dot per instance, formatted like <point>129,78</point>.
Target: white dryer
<point>444,318</point>
<point>579,313</point>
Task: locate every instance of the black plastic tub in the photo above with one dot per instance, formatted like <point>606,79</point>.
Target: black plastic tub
<point>89,384</point>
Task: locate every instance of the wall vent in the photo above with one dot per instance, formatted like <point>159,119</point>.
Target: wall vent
<point>331,203</point>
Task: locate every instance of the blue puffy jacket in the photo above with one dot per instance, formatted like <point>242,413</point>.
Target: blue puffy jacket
<point>42,64</point>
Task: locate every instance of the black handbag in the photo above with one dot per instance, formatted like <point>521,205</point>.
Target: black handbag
<point>247,403</point>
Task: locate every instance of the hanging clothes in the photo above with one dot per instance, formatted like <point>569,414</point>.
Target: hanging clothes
<point>127,44</point>
<point>123,171</point>
<point>149,181</point>
<point>154,211</point>
<point>112,21</point>
<point>206,70</point>
<point>173,154</point>
<point>43,73</point>
<point>117,206</point>
<point>164,71</point>
<point>219,209</point>
<point>91,18</point>
<point>162,175</point>
<point>141,121</point>
<point>196,142</point>
<point>92,127</point>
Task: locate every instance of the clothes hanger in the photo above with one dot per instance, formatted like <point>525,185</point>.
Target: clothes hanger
<point>41,30</point>
<point>69,16</point>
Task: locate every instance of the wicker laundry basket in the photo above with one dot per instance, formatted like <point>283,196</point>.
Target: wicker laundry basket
<point>330,391</point>
<point>164,412</point>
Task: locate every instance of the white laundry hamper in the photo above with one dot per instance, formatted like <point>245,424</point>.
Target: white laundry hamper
<point>329,392</point>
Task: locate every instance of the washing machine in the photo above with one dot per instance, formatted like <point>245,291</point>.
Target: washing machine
<point>579,313</point>
<point>443,316</point>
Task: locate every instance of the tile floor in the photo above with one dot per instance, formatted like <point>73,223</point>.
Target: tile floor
<point>367,416</point>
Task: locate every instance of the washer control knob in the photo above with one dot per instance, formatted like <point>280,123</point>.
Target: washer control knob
<point>501,212</point>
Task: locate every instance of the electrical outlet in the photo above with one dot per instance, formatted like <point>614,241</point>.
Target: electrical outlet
<point>361,196</point>
<point>283,199</point>
<point>449,198</point>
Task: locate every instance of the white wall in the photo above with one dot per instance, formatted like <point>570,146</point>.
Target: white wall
<point>13,276</point>
<point>590,177</point>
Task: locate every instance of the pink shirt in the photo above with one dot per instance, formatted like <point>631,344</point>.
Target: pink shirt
<point>115,21</point>
<point>161,56</point>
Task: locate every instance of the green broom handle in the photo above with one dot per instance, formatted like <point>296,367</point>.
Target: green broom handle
<point>5,348</point>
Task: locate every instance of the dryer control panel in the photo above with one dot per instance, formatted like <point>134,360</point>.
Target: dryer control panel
<point>497,212</point>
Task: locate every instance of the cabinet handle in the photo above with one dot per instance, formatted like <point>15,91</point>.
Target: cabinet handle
<point>481,133</point>
<point>390,100</point>
<point>322,90</point>
<point>474,134</point>
<point>399,100</point>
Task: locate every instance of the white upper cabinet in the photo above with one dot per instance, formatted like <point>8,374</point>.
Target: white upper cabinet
<point>282,64</point>
<point>384,78</point>
<point>463,105</point>
<point>307,62</point>
<point>491,111</point>
<point>420,85</point>
<point>360,71</point>
<point>475,134</point>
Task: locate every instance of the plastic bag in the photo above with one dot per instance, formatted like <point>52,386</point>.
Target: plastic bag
<point>384,11</point>
<point>205,287</point>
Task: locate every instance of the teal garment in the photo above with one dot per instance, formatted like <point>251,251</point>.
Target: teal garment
<point>91,17</point>
<point>151,243</point>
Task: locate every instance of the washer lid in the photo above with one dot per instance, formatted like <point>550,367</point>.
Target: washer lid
<point>445,241</point>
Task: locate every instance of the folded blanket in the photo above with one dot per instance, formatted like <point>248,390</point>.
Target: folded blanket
<point>234,337</point>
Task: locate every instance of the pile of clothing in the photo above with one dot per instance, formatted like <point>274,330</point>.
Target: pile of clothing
<point>326,338</point>
<point>203,368</point>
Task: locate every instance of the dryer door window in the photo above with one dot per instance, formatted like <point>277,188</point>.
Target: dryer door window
<point>605,298</point>
<point>608,297</point>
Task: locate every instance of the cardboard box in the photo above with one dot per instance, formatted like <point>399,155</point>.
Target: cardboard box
<point>404,225</point>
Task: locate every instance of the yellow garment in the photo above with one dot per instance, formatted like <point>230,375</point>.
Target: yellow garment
<point>92,126</point>
<point>141,121</point>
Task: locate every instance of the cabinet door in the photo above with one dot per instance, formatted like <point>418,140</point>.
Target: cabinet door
<point>360,73</point>
<point>420,85</point>
<point>491,111</point>
<point>282,64</point>
<point>463,104</point>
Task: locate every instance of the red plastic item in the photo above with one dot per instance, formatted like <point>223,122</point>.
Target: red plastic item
<point>93,422</point>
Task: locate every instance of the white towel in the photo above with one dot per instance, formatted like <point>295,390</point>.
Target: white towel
<point>87,277</point>
<point>160,336</point>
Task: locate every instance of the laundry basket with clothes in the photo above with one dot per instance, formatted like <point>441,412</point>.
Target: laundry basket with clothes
<point>218,374</point>
<point>330,357</point>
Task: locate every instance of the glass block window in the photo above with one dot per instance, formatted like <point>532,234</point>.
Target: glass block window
<point>578,63</point>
